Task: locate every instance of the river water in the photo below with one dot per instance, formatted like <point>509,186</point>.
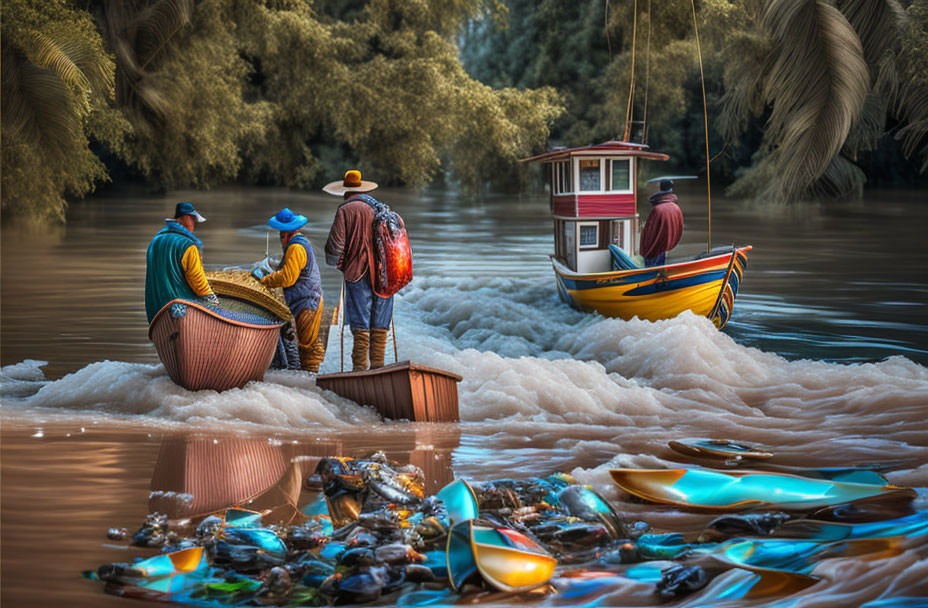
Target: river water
<point>823,363</point>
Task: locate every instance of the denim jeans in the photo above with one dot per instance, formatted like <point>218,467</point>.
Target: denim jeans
<point>364,309</point>
<point>656,261</point>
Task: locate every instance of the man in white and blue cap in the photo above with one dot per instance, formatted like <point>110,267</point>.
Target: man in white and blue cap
<point>175,263</point>
<point>298,274</point>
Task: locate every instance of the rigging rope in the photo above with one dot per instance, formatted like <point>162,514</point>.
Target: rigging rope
<point>647,81</point>
<point>705,118</point>
<point>608,40</point>
<point>631,84</point>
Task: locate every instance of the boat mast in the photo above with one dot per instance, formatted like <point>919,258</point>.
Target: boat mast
<point>705,119</point>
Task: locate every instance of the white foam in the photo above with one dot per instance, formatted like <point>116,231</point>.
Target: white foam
<point>581,380</point>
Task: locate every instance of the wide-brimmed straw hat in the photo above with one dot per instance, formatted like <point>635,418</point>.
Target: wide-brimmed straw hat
<point>287,220</point>
<point>351,183</point>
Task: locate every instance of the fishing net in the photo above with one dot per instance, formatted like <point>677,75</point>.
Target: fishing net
<point>241,293</point>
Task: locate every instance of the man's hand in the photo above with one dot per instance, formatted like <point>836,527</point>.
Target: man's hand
<point>258,273</point>
<point>211,299</point>
<point>287,332</point>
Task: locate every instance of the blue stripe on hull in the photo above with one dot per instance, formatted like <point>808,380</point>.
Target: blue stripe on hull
<point>673,284</point>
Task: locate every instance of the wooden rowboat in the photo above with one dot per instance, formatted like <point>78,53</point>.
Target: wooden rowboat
<point>211,349</point>
<point>400,390</point>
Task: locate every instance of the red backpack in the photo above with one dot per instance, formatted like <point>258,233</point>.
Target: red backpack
<point>392,254</point>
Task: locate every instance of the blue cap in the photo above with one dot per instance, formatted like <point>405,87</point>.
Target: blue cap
<point>287,220</point>
<point>187,209</point>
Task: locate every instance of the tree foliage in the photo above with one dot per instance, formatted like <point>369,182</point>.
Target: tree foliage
<point>57,84</point>
<point>200,92</point>
<point>801,93</point>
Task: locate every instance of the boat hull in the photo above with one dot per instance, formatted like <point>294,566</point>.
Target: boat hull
<point>707,287</point>
<point>202,350</point>
<point>401,390</point>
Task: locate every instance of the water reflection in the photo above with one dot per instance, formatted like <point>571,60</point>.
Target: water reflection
<point>196,476</point>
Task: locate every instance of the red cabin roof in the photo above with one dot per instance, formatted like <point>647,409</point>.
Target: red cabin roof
<point>609,148</point>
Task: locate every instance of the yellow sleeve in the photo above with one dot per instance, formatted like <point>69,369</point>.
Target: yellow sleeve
<point>193,270</point>
<point>294,261</point>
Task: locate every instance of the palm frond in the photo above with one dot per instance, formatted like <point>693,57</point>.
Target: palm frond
<point>749,59</point>
<point>877,23</point>
<point>157,25</point>
<point>38,107</point>
<point>870,125</point>
<point>841,179</point>
<point>910,103</point>
<point>44,52</point>
<point>816,86</point>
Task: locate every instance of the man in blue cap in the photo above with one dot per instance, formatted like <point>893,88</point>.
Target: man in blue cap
<point>298,274</point>
<point>175,264</point>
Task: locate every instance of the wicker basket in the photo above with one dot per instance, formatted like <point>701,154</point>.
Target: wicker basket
<point>241,285</point>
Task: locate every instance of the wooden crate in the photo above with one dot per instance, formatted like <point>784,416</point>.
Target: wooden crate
<point>400,390</point>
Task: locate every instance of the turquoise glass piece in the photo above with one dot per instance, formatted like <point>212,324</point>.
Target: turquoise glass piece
<point>261,538</point>
<point>314,509</point>
<point>769,554</point>
<point>332,550</point>
<point>174,572</point>
<point>574,590</point>
<point>163,565</point>
<point>460,502</point>
<point>241,518</point>
<point>460,555</point>
<point>437,562</point>
<point>795,556</point>
<point>665,546</point>
<point>708,488</point>
<point>646,573</point>
<point>909,526</point>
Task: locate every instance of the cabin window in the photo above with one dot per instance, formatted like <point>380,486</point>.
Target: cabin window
<point>589,235</point>
<point>562,178</point>
<point>590,178</point>
<point>621,175</point>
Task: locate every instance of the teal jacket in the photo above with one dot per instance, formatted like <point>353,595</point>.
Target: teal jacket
<point>165,279</point>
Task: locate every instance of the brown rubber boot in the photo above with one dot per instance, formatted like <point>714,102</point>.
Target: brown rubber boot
<point>306,355</point>
<point>362,345</point>
<point>378,347</point>
<point>313,357</point>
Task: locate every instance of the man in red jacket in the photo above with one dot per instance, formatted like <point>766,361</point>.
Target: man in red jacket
<point>664,226</point>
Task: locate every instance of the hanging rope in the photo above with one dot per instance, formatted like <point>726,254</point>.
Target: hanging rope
<point>705,119</point>
<point>647,81</point>
<point>631,84</point>
<point>608,39</point>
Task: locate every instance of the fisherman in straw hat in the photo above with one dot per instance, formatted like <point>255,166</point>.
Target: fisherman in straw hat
<point>174,263</point>
<point>298,274</point>
<point>350,247</point>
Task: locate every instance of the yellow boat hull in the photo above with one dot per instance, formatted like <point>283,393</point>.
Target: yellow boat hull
<point>707,287</point>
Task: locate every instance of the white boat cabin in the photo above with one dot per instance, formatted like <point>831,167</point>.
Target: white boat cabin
<point>593,202</point>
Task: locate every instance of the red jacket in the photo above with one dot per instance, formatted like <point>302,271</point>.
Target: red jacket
<point>664,226</point>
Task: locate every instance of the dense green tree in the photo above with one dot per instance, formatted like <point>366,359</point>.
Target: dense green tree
<point>800,92</point>
<point>57,90</point>
<point>199,92</point>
